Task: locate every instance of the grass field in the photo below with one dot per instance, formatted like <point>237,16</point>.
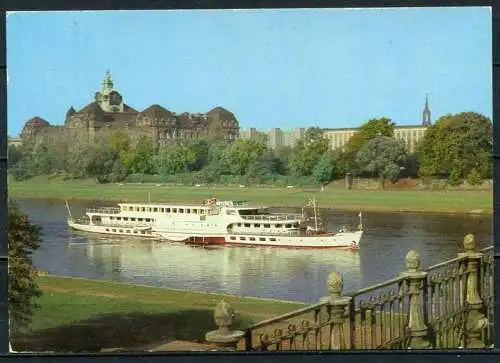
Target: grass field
<point>439,201</point>
<point>86,315</point>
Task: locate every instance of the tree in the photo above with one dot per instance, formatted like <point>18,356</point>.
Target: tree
<point>329,167</point>
<point>175,159</point>
<point>368,131</point>
<point>14,155</point>
<point>200,149</point>
<point>457,144</point>
<point>240,154</point>
<point>308,151</point>
<point>383,156</point>
<point>139,160</point>
<point>23,239</point>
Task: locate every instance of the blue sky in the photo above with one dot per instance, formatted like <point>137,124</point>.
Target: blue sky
<point>272,68</point>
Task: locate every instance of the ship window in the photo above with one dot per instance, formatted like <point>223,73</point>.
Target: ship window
<point>242,238</point>
<point>142,232</point>
<point>233,238</point>
<point>295,225</point>
<point>114,230</point>
<point>139,219</point>
<point>155,210</point>
<point>272,239</point>
<point>107,229</point>
<point>195,211</point>
<point>188,211</point>
<point>121,230</point>
<point>174,210</point>
<point>125,218</point>
<point>267,226</point>
<point>137,209</point>
<point>132,219</point>
<point>118,218</point>
<point>262,239</point>
<point>149,209</point>
<point>257,225</point>
<point>247,224</point>
<point>130,208</point>
<point>128,230</point>
<point>135,232</point>
<point>202,211</point>
<point>111,218</point>
<point>143,209</point>
<point>147,219</point>
<point>168,210</point>
<point>279,225</point>
<point>252,238</point>
<point>288,226</point>
<point>181,210</point>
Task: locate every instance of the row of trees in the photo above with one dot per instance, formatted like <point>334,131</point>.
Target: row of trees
<point>458,147</point>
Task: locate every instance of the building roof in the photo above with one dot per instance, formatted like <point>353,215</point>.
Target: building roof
<point>219,109</point>
<point>156,111</point>
<point>37,121</point>
<point>92,107</point>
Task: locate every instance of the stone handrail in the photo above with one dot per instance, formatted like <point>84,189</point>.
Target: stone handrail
<point>448,305</point>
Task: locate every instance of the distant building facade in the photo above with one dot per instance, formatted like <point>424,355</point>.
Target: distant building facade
<point>411,134</point>
<point>276,137</point>
<point>109,112</point>
<point>253,134</point>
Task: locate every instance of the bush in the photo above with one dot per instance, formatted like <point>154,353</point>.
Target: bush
<point>474,177</point>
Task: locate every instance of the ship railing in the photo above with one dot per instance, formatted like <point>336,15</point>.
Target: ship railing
<point>273,217</point>
<point>116,225</point>
<point>110,210</point>
<point>277,234</point>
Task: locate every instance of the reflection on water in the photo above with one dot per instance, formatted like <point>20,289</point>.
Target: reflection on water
<point>242,271</point>
<point>264,272</point>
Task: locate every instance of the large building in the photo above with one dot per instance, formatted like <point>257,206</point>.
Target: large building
<point>108,112</point>
<point>279,138</point>
<point>411,135</point>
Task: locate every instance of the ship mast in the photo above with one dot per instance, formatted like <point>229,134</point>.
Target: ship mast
<point>315,214</point>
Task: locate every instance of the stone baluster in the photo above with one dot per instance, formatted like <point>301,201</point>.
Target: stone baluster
<point>476,320</point>
<point>338,305</point>
<point>419,331</point>
<point>224,339</point>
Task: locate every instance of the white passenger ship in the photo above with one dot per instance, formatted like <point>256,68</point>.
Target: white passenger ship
<point>215,222</point>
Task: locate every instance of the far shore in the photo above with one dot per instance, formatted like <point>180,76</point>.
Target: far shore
<point>477,202</point>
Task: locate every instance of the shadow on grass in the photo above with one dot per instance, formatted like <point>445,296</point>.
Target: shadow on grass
<point>129,331</point>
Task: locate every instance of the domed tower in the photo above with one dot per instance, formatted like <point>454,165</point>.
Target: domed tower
<point>109,99</point>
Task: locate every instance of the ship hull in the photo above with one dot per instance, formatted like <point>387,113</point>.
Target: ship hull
<point>344,240</point>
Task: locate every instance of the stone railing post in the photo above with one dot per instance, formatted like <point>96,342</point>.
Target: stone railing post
<point>419,332</point>
<point>224,338</point>
<point>338,305</point>
<point>475,319</point>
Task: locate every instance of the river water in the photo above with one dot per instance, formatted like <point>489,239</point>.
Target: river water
<point>298,275</point>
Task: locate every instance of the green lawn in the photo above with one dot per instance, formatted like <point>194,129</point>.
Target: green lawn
<point>453,201</point>
<point>85,315</point>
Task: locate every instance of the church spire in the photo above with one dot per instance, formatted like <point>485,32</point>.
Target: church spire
<point>426,118</point>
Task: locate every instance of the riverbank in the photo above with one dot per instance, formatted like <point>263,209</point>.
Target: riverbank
<point>77,314</point>
<point>427,201</point>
